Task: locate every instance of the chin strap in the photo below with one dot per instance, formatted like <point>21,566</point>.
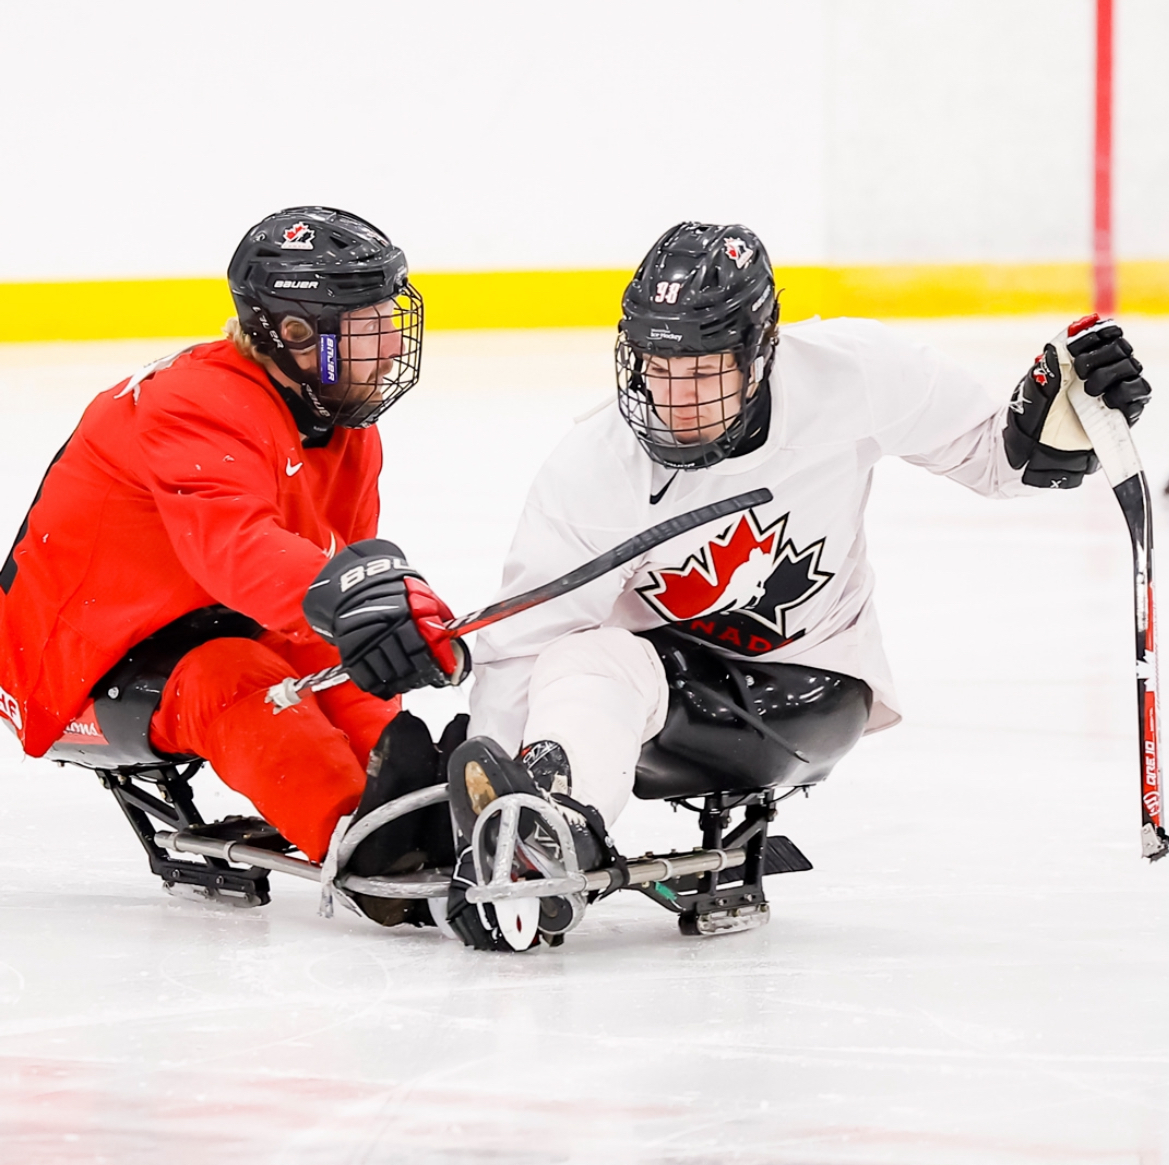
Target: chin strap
<point>756,421</point>
<point>314,429</point>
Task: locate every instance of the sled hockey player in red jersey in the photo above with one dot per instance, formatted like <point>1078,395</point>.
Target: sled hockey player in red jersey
<point>178,530</point>
<point>747,653</point>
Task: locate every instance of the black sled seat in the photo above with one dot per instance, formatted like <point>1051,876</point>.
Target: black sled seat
<point>111,736</point>
<point>743,737</point>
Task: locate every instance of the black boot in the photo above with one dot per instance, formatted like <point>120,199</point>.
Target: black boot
<point>480,772</point>
<point>403,761</point>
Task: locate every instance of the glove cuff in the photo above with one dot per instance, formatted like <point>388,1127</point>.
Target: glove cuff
<point>463,661</point>
<point>1050,468</point>
<point>1017,445</point>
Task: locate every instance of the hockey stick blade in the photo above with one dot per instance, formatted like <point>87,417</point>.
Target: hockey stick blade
<point>1112,441</point>
<point>286,693</point>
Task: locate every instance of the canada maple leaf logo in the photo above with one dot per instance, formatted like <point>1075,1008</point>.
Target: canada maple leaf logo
<point>738,588</point>
<point>298,237</point>
<point>738,251</point>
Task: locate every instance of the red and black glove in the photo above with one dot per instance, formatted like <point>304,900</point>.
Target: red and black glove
<point>385,621</point>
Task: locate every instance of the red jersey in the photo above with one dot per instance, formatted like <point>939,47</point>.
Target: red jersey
<point>183,489</point>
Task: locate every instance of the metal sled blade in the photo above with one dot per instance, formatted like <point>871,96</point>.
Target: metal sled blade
<point>239,899</point>
<point>727,921</point>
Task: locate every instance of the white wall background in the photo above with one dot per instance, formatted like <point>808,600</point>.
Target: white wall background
<point>143,138</point>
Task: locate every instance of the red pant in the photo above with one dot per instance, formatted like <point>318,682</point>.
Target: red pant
<point>303,768</point>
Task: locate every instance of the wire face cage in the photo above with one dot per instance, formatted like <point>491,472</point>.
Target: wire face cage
<point>371,362</point>
<point>686,410</point>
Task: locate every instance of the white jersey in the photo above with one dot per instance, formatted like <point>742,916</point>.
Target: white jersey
<point>788,581</point>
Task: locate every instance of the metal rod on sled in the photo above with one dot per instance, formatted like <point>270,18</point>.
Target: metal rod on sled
<point>652,869</point>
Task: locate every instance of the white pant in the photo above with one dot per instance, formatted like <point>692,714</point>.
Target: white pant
<point>600,695</point>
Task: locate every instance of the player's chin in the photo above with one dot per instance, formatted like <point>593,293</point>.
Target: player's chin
<point>358,403</point>
<point>698,434</point>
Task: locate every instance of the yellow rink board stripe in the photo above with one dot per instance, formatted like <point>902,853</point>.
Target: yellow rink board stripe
<point>130,308</point>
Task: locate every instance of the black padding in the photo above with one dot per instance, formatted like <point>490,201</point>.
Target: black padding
<point>783,856</point>
<point>253,831</point>
<point>404,760</point>
<point>128,695</point>
<point>705,747</point>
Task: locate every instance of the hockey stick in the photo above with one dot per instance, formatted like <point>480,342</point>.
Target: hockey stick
<point>287,692</point>
<point>1108,431</point>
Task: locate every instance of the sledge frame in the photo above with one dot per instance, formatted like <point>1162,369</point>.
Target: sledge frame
<point>715,888</point>
<point>172,804</point>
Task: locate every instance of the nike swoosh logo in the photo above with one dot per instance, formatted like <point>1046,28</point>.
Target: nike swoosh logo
<point>655,498</point>
<point>332,545</point>
<point>293,470</point>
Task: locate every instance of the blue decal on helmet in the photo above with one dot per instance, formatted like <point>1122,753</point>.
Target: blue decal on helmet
<point>328,358</point>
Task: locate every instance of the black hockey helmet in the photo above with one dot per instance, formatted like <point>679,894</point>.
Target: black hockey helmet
<point>315,266</point>
<point>701,290</point>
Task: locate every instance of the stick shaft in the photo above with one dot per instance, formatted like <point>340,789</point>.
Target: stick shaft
<point>1109,433</point>
<point>628,550</point>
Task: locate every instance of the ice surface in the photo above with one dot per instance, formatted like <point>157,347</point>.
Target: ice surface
<point>973,973</point>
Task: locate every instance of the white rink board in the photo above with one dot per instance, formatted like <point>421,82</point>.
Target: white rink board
<point>973,973</point>
<point>512,136</point>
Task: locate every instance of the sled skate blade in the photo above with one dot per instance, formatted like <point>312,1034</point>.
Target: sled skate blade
<point>213,896</point>
<point>725,921</point>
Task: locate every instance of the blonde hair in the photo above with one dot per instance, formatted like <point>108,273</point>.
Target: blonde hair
<point>244,344</point>
<point>294,330</point>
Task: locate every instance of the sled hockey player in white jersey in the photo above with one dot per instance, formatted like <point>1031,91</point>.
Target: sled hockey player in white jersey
<point>745,653</point>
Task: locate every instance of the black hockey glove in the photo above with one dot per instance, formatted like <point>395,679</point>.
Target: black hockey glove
<point>1043,433</point>
<point>1104,361</point>
<point>385,621</point>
